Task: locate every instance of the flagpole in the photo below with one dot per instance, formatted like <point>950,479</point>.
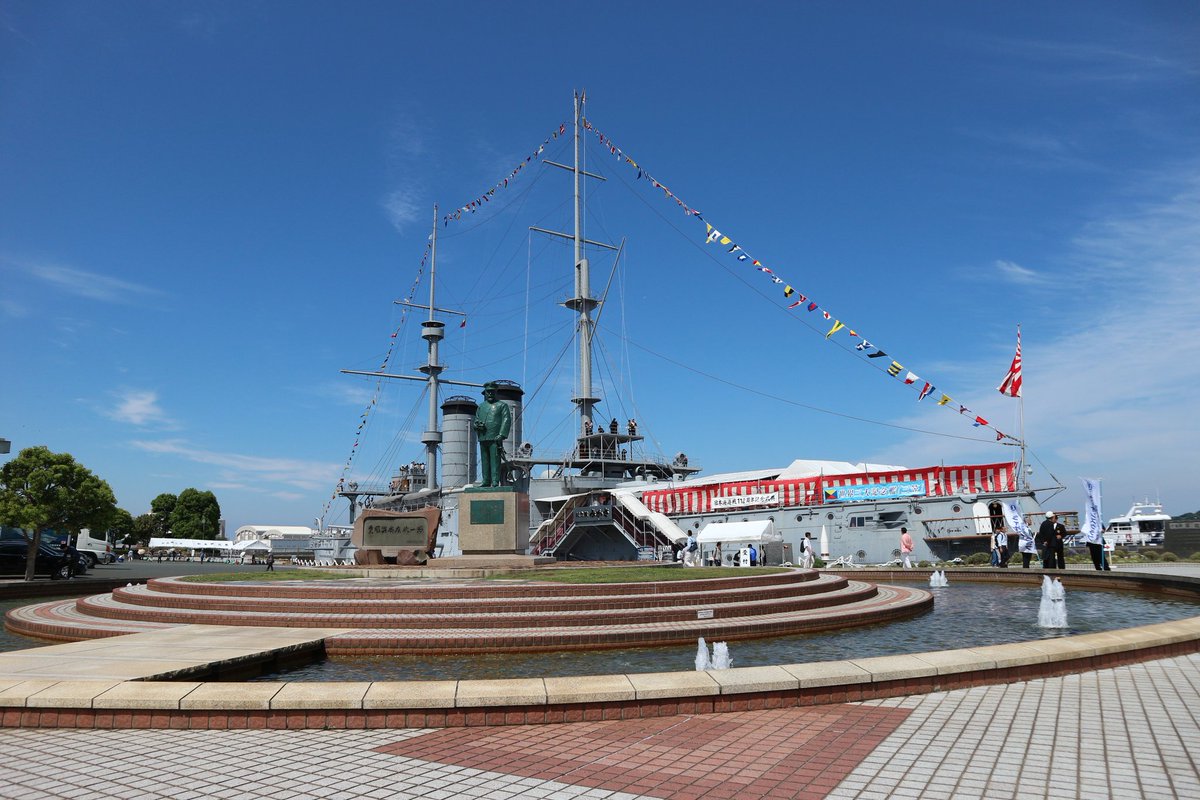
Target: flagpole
<point>1024,483</point>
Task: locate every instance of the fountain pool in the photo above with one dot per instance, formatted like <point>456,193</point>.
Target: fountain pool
<point>963,615</point>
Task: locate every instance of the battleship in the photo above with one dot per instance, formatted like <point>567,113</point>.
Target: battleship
<point>607,497</point>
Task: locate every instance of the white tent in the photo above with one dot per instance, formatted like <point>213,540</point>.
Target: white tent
<point>253,544</point>
<point>224,545</point>
<point>758,531</point>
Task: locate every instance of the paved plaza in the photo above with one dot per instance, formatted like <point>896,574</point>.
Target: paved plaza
<point>1130,731</point>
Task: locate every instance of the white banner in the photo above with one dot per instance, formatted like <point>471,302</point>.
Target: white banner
<point>1016,523</point>
<point>1092,528</point>
<point>737,501</point>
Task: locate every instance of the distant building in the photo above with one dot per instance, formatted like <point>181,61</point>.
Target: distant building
<point>250,533</point>
<point>285,540</point>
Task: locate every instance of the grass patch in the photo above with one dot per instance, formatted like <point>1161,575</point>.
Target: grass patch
<point>632,574</point>
<point>282,575</point>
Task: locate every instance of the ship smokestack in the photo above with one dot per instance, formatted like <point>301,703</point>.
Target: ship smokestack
<point>459,451</point>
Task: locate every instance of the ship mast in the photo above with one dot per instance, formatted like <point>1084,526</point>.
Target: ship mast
<point>432,331</point>
<point>582,302</point>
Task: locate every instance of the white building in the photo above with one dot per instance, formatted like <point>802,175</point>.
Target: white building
<point>252,533</point>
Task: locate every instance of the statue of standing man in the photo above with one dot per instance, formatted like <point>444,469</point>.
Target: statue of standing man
<point>493,421</point>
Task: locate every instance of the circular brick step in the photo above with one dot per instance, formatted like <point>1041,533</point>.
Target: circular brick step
<point>887,604</point>
<point>439,616</point>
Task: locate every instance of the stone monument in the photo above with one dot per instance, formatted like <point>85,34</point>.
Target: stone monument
<point>493,517</point>
<point>400,537</point>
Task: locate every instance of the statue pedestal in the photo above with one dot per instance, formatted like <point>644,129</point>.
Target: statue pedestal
<point>493,520</point>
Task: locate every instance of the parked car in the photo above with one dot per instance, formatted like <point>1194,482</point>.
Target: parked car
<point>86,560</point>
<point>14,556</point>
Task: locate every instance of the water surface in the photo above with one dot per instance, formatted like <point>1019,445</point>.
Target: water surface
<point>963,615</point>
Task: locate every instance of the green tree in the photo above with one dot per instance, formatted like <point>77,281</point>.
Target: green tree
<point>197,515</point>
<point>144,527</point>
<point>121,526</point>
<point>42,491</point>
<point>161,509</point>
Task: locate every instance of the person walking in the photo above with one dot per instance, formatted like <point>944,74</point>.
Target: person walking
<point>690,558</point>
<point>70,557</point>
<point>1099,557</point>
<point>270,562</point>
<point>807,553</point>
<point>906,548</point>
<point>1000,537</point>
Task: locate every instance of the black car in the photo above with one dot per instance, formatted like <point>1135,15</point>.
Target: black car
<point>14,551</point>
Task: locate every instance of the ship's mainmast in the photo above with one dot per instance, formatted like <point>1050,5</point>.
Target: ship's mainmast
<point>582,302</point>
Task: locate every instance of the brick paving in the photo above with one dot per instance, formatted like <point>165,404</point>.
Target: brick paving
<point>1129,731</point>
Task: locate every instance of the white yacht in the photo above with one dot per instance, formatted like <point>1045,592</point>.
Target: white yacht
<point>1144,523</point>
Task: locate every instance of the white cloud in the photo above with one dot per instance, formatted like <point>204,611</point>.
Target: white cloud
<point>403,208</point>
<point>91,285</point>
<point>11,308</point>
<point>1097,62</point>
<point>139,407</point>
<point>1015,273</point>
<point>248,471</point>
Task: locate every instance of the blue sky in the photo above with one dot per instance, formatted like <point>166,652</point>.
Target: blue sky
<point>207,209</point>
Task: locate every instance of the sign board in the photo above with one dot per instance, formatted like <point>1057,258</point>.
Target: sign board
<point>487,512</point>
<point>388,533</point>
<point>409,533</point>
<point>743,500</point>
<point>704,613</point>
<point>875,491</point>
<point>593,515</point>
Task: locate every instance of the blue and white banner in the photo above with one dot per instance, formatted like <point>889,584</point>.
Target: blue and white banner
<point>875,491</point>
<point>1092,528</point>
<point>1016,523</point>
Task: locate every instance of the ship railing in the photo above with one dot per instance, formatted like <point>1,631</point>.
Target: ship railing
<point>640,531</point>
<point>985,524</point>
<point>554,529</point>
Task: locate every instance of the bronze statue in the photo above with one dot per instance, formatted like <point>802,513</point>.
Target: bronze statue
<point>493,421</point>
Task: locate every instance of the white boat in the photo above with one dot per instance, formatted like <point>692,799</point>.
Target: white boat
<point>1144,523</point>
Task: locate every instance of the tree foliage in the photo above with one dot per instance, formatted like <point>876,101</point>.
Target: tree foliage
<point>196,515</point>
<point>121,526</point>
<point>161,509</point>
<point>42,491</point>
<point>144,527</point>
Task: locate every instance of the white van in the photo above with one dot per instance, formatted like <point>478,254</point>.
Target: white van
<point>97,551</point>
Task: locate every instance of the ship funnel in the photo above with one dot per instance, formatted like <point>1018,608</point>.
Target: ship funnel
<point>511,393</point>
<point>459,451</point>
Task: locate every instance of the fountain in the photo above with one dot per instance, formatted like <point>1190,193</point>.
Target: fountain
<point>720,656</point>
<point>718,660</point>
<point>938,579</point>
<point>1052,613</point>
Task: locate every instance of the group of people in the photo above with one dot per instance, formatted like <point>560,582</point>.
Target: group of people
<point>1050,541</point>
<point>690,553</point>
